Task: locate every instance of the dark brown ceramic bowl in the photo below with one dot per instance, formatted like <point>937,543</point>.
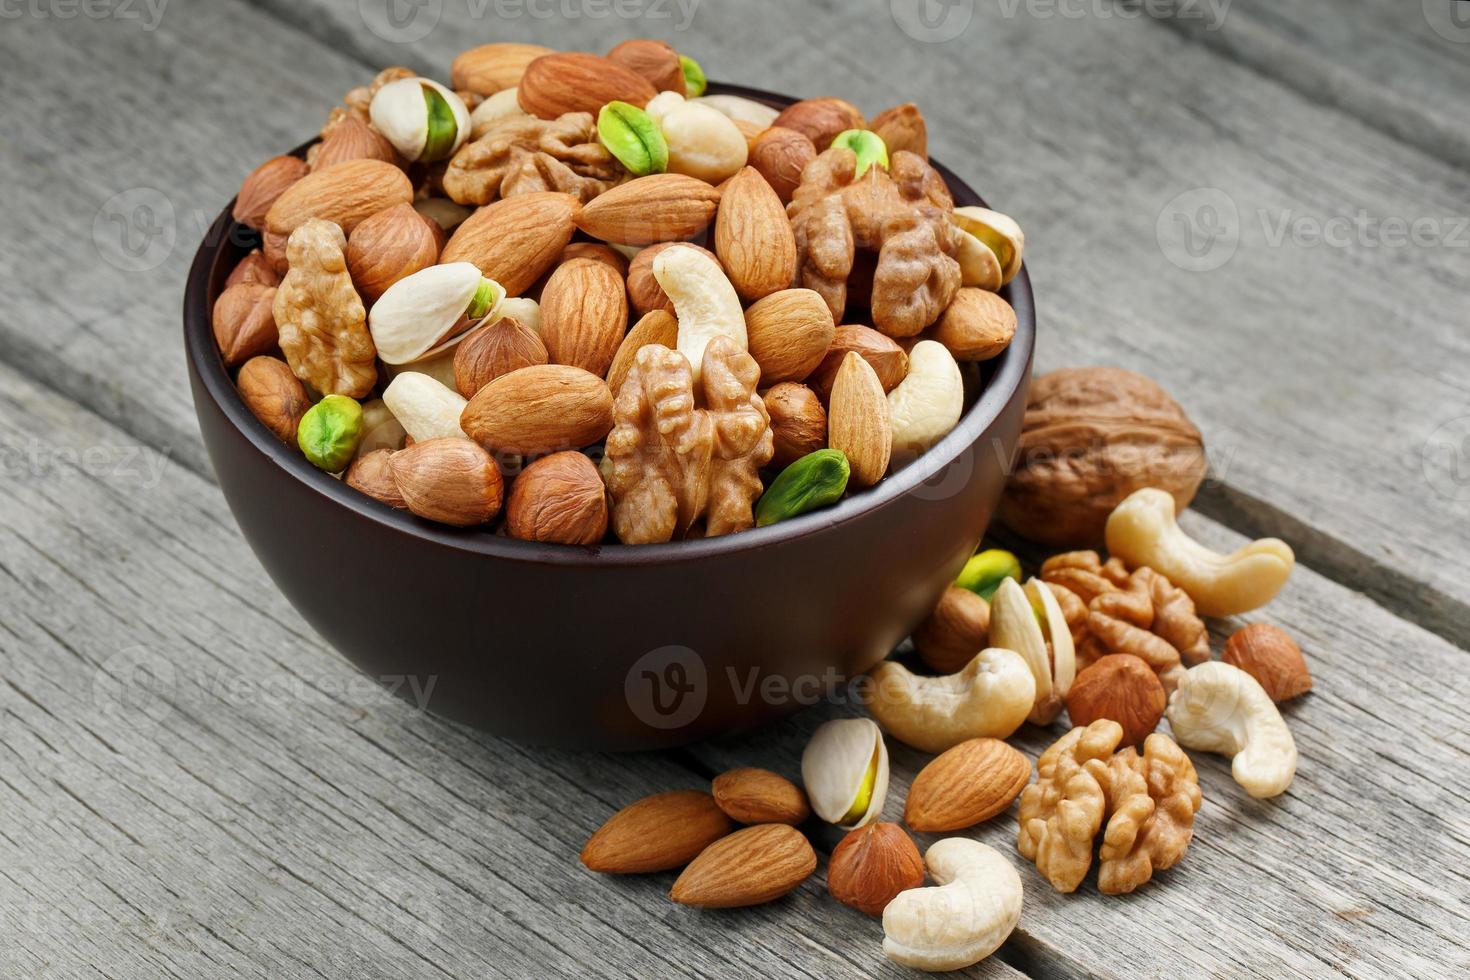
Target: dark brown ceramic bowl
<point>613,647</point>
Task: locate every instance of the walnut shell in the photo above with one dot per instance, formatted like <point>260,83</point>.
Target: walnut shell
<point>1091,437</point>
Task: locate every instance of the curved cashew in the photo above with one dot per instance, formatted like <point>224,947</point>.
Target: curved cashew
<point>928,401</point>
<point>739,108</point>
<point>989,698</point>
<point>1142,530</point>
<point>425,408</point>
<point>704,301</point>
<point>1220,708</point>
<point>974,908</point>
<point>1015,626</point>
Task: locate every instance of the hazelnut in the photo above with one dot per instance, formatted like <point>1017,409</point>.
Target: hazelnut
<point>644,293</point>
<point>902,128</point>
<point>654,60</point>
<point>244,322</point>
<point>254,267</point>
<point>821,120</point>
<point>798,421</point>
<point>450,480</point>
<point>871,865</point>
<point>274,395</point>
<point>780,155</point>
<point>1272,657</point>
<point>957,630</point>
<point>598,251</point>
<point>887,359</point>
<point>371,474</point>
<point>261,188</point>
<point>492,350</point>
<point>391,245</point>
<point>559,498</point>
<point>1121,688</point>
<point>353,139</point>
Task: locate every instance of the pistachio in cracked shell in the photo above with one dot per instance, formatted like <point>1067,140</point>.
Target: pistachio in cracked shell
<point>431,310</point>
<point>991,247</point>
<point>867,145</point>
<point>845,769</point>
<point>631,135</point>
<point>424,121</point>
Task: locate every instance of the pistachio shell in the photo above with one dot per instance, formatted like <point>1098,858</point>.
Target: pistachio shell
<point>998,232</point>
<point>416,314</point>
<point>1058,634</point>
<point>400,113</point>
<point>835,766</point>
<point>380,430</point>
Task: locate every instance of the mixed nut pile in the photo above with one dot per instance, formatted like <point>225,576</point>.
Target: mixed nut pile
<point>487,303</point>
<point>1115,642</point>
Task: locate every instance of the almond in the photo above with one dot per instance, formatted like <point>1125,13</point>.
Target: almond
<point>644,292</point>
<point>857,421</point>
<point>344,194</point>
<point>798,422</point>
<point>902,128</point>
<point>654,60</point>
<point>657,833</point>
<point>1272,657</point>
<point>493,350</point>
<point>450,480</point>
<point>871,865</point>
<point>584,314</point>
<point>656,327</point>
<point>656,208</point>
<point>883,354</point>
<point>571,81</point>
<point>540,409</point>
<point>754,796</point>
<point>391,245</point>
<point>789,333</point>
<point>263,186</point>
<point>353,139</point>
<point>781,154</point>
<point>371,474</point>
<point>516,239</point>
<point>559,499</point>
<point>489,68</point>
<point>274,395</point>
<point>751,866</point>
<point>753,236</point>
<point>977,325</point>
<point>820,120</point>
<point>244,322</point>
<point>966,785</point>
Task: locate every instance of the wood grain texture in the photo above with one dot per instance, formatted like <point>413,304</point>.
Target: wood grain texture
<point>193,784</point>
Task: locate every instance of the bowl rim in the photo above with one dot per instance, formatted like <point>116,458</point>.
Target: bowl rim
<point>1008,373</point>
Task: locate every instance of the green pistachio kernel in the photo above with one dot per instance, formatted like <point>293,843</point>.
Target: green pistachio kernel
<point>443,127</point>
<point>815,480</point>
<point>330,431</point>
<point>694,83</point>
<point>983,573</point>
<point>868,146</point>
<point>486,296</point>
<point>631,135</point>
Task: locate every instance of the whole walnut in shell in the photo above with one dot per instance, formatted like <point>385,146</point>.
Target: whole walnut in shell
<point>1091,437</point>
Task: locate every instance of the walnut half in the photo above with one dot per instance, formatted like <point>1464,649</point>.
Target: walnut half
<point>521,154</point>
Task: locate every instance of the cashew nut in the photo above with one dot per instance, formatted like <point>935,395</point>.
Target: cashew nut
<point>425,408</point>
<point>928,401</point>
<point>498,106</point>
<point>703,141</point>
<point>989,698</point>
<point>1142,530</point>
<point>1220,708</point>
<point>524,309</point>
<point>380,430</point>
<point>976,904</point>
<point>1045,644</point>
<point>740,109</point>
<point>704,301</point>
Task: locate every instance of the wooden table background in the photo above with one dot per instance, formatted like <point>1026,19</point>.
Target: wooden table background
<point>192,784</point>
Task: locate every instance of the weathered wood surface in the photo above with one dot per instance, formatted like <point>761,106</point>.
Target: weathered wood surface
<point>264,813</point>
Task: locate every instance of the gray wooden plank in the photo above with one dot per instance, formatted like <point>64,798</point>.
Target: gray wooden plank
<point>193,784</point>
<point>1360,869</point>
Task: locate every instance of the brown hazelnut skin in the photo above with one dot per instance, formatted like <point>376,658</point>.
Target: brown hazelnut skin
<point>1272,657</point>
<point>798,421</point>
<point>274,395</point>
<point>871,865</point>
<point>559,498</point>
<point>1122,688</point>
<point>957,630</point>
<point>781,154</point>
